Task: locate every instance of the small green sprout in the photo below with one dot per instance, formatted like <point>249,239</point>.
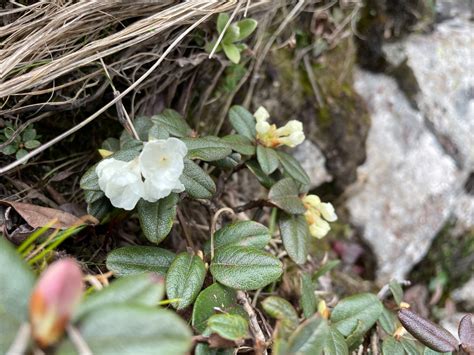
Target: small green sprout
<point>234,33</point>
<point>22,143</point>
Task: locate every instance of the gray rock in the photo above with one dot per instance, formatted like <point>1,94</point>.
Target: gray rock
<point>465,294</point>
<point>407,185</point>
<point>313,161</point>
<point>446,9</point>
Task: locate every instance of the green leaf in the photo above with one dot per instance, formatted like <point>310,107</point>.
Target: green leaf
<point>156,218</point>
<point>207,148</point>
<point>295,235</point>
<point>390,346</point>
<point>245,268</point>
<point>144,289</point>
<point>184,279</point>
<point>8,132</point>
<point>222,20</point>
<point>205,349</point>
<point>111,144</point>
<point>428,351</point>
<point>262,178</point>
<point>242,233</point>
<point>229,326</point>
<point>215,298</point>
<point>29,134</point>
<point>132,329</point>
<point>397,291</point>
<point>20,154</point>
<point>284,194</point>
<point>138,259</point>
<point>388,321</point>
<point>232,52</point>
<point>411,347</point>
<point>10,149</point>
<point>240,144</point>
<point>365,308</point>
<point>228,163</point>
<point>100,208</point>
<point>293,168</point>
<point>197,183</point>
<point>243,121</point>
<point>158,131</point>
<point>173,122</point>
<point>93,195</point>
<point>16,281</point>
<point>282,310</point>
<point>246,27</point>
<point>231,34</point>
<point>267,158</point>
<point>325,268</point>
<point>308,298</point>
<point>316,337</point>
<point>90,180</point>
<point>32,144</point>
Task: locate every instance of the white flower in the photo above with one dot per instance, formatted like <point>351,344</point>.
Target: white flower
<point>318,214</point>
<point>121,182</point>
<point>269,135</point>
<point>161,164</point>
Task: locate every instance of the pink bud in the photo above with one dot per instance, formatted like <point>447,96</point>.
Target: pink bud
<point>54,298</point>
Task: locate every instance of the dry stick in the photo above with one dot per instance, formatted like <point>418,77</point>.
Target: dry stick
<point>312,80</point>
<point>78,341</point>
<point>215,218</point>
<point>120,108</point>
<point>184,225</point>
<point>21,340</point>
<point>260,342</point>
<point>103,109</point>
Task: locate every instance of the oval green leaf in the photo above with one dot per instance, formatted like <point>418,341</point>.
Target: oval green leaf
<point>197,183</point>
<point>243,121</point>
<point>172,122</point>
<point>245,268</point>
<point>156,218</point>
<point>267,158</point>
<point>207,148</point>
<point>240,144</point>
<point>284,195</point>
<point>295,235</point>
<point>228,326</point>
<point>184,279</point>
<point>293,168</point>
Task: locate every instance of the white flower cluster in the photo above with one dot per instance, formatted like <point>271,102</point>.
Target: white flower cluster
<point>269,135</point>
<point>318,214</point>
<point>153,175</point>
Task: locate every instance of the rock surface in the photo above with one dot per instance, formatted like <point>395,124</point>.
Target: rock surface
<point>313,162</point>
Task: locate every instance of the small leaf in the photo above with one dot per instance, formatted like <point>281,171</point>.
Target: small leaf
<point>246,27</point>
<point>138,259</point>
<point>158,131</point>
<point>267,158</point>
<point>215,298</point>
<point>427,332</point>
<point>156,218</point>
<point>197,183</point>
<point>364,309</point>
<point>228,163</point>
<point>100,208</point>
<point>307,298</point>
<point>242,233</point>
<point>466,333</point>
<point>20,154</point>
<point>316,337</point>
<point>32,144</point>
<point>295,235</point>
<point>172,122</point>
<point>284,194</point>
<point>207,148</point>
<point>245,268</point>
<point>283,311</point>
<point>222,20</point>
<point>90,180</point>
<point>411,347</point>
<point>293,168</point>
<point>428,351</point>
<point>184,279</point>
<point>391,346</point>
<point>132,329</point>
<point>228,326</point>
<point>111,144</point>
<point>29,134</point>
<point>262,178</point>
<point>388,321</point>
<point>325,268</point>
<point>240,144</point>
<point>232,52</point>
<point>243,121</point>
<point>231,34</point>
<point>397,291</point>
<point>10,149</point>
<point>144,289</point>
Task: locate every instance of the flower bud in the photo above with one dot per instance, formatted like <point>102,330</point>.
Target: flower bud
<point>261,114</point>
<point>54,298</point>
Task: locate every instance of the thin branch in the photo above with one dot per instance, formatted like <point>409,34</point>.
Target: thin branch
<point>214,221</point>
<point>78,341</point>
<point>20,344</point>
<point>260,342</point>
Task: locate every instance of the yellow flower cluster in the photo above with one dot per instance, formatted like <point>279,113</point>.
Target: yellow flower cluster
<point>269,135</point>
<point>318,214</point>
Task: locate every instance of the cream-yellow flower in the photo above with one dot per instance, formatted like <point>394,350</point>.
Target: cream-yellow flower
<point>318,214</point>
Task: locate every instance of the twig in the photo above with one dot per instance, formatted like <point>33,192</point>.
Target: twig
<point>312,80</point>
<point>260,342</point>
<point>385,289</point>
<point>20,344</point>
<point>78,341</point>
<point>253,204</point>
<point>219,39</point>
<point>184,225</point>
